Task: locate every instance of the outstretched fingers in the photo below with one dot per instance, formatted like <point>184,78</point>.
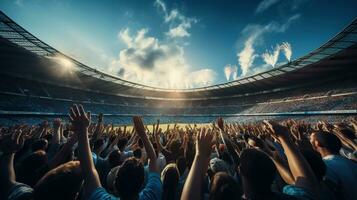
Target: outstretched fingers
<point>76,110</point>
<point>89,116</point>
<point>81,111</point>
<point>138,124</point>
<point>72,114</point>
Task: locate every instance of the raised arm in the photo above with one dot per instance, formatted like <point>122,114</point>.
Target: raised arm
<point>80,123</point>
<point>231,148</point>
<point>115,141</point>
<point>56,138</point>
<point>280,163</point>
<point>157,132</point>
<point>345,140</point>
<point>9,146</point>
<point>303,175</point>
<point>140,130</point>
<point>99,127</point>
<point>60,157</point>
<point>39,131</point>
<point>192,187</point>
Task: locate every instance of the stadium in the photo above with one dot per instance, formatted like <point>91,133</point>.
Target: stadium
<point>34,87</point>
<point>70,130</point>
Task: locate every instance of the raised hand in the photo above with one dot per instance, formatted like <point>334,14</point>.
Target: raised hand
<point>57,123</point>
<point>276,129</point>
<point>80,119</point>
<point>157,131</point>
<point>220,123</point>
<point>204,142</point>
<point>139,126</point>
<point>140,130</point>
<point>199,166</point>
<point>157,126</point>
<point>100,117</point>
<point>44,124</point>
<point>12,142</point>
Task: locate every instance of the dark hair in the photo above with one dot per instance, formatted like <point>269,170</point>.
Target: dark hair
<point>137,153</point>
<point>114,158</point>
<point>122,143</point>
<point>112,138</point>
<point>223,186</point>
<point>97,144</point>
<point>316,163</point>
<point>63,182</point>
<point>190,153</point>
<point>140,143</point>
<point>225,156</point>
<point>48,137</point>
<point>130,178</point>
<point>32,168</point>
<point>40,144</point>
<point>257,169</point>
<point>181,165</point>
<point>329,141</point>
<point>174,147</point>
<point>170,178</point>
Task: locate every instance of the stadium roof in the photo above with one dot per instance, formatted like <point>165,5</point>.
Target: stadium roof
<point>337,56</point>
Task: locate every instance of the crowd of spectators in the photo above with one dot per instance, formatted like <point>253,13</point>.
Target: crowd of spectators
<point>30,96</point>
<point>49,105</point>
<point>90,159</point>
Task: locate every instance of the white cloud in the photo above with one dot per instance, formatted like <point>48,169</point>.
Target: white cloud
<point>282,28</point>
<point>202,77</point>
<point>179,31</point>
<point>254,33</point>
<point>247,56</point>
<point>264,5</point>
<point>148,61</point>
<point>178,23</point>
<point>174,14</point>
<point>283,5</point>
<point>125,37</point>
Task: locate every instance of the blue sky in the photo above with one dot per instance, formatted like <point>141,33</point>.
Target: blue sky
<point>183,44</point>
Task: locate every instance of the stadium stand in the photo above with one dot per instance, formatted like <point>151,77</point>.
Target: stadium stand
<point>33,82</point>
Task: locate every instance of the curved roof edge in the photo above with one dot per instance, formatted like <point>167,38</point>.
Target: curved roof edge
<point>13,32</point>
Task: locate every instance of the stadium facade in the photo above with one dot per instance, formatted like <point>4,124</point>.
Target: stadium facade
<point>36,86</point>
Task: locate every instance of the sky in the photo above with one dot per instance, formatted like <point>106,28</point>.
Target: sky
<point>182,44</point>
